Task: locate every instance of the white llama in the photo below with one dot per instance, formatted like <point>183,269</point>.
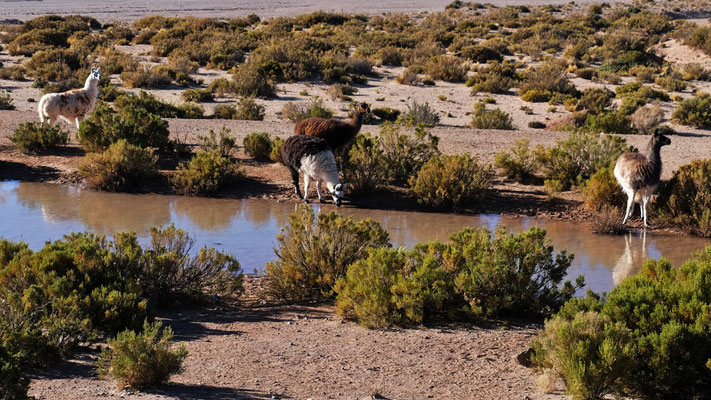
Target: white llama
<point>72,105</point>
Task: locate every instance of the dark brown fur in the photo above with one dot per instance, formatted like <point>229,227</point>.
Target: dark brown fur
<point>337,133</point>
<point>295,148</point>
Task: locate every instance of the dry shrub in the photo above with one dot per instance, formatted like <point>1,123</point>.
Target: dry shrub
<point>145,77</point>
<point>686,200</point>
<point>258,145</point>
<point>408,78</point>
<point>608,221</point>
<point>222,142</point>
<point>490,119</point>
<point>297,111</point>
<point>122,167</point>
<point>647,118</point>
<point>447,68</point>
<point>602,190</point>
<point>519,163</point>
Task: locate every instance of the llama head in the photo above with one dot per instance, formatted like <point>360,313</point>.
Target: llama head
<point>659,140</point>
<point>337,193</point>
<point>95,74</point>
<point>362,108</point>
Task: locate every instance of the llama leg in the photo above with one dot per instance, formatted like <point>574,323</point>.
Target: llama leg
<point>318,190</point>
<point>306,188</point>
<point>630,209</point>
<point>295,182</point>
<point>76,120</point>
<point>645,200</point>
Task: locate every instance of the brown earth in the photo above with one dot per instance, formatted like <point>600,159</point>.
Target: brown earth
<point>258,351</point>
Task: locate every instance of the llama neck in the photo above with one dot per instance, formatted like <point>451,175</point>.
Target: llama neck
<point>91,85</point>
<point>654,159</point>
<point>357,121</point>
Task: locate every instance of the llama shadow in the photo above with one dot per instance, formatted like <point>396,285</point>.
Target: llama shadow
<point>690,134</point>
<point>207,392</point>
<point>10,170</point>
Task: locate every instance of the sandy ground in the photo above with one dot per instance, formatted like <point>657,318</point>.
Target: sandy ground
<point>300,352</point>
<point>129,10</point>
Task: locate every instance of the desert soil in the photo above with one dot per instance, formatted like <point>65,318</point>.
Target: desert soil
<point>299,352</point>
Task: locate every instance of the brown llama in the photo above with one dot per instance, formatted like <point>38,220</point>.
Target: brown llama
<point>338,134</point>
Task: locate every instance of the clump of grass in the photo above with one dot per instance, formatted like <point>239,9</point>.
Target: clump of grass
<point>608,221</point>
<point>419,113</point>
<point>296,112</point>
<point>32,137</point>
<point>490,119</point>
<point>221,142</point>
<point>6,101</point>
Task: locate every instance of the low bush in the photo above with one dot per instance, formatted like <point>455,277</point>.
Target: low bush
<point>446,181</point>
<point>340,91</point>
<point>197,95</point>
<point>405,150</point>
<point>695,111</point>
<point>695,71</point>
<point>314,252</point>
<point>657,330</point>
<point>258,145</point>
<point>190,111</point>
<point>546,80</point>
<point>596,99</point>
<point>139,361</point>
<point>519,163</point>
<point>205,173</point>
<point>490,119</point>
<point>364,169</point>
<point>222,87</point>
<point>419,113</point>
<point>586,73</point>
<point>174,273</point>
<point>446,68</point>
<point>476,275</point>
<point>607,122</point>
<point>296,112</point>
<point>221,142</point>
<point>32,137</point>
<point>408,78</point>
<point>608,221</point>
<point>146,78</point>
<point>589,351</point>
<point>480,54</point>
<point>248,110</point>
<point>225,111</point>
<point>578,157</point>
<point>275,154</point>
<point>670,83</point>
<point>493,78</point>
<point>122,167</point>
<point>6,101</point>
<point>251,80</point>
<point>646,119</point>
<point>634,89</point>
<point>149,103</point>
<point>132,123</point>
<point>685,201</point>
<point>386,113</point>
<point>602,190</point>
<point>13,385</point>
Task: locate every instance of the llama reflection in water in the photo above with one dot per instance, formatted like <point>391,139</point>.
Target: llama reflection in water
<point>631,259</point>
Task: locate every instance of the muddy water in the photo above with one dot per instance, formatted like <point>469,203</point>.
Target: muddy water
<point>35,213</point>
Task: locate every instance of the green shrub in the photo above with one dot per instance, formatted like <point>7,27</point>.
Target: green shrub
<point>53,64</point>
<point>490,119</point>
<point>608,122</point>
<point>596,99</point>
<point>686,200</point>
<point>314,252</point>
<point>493,78</point>
<point>664,311</point>
<point>419,113</point>
<point>602,190</point>
<point>519,163</point>
<point>635,89</point>
<point>222,87</point>
<point>405,150</point>
<point>296,112</point>
<point>695,71</point>
<point>146,78</point>
<point>13,385</point>
<point>590,352</point>
<point>222,143</point>
<point>190,111</point>
<point>548,78</point>
<point>6,101</point>
<point>250,80</point>
<point>134,124</point>
<point>476,275</point>
<point>481,54</point>
<point>122,167</point>
<point>205,173</point>
<point>364,169</point>
<point>586,73</point>
<point>149,103</point>
<point>32,137</point>
<point>695,111</point>
<point>258,145</point>
<point>13,73</point>
<point>669,83</point>
<point>225,111</point>
<point>446,68</point>
<point>386,113</point>
<point>275,154</point>
<point>446,181</point>
<point>249,110</point>
<point>142,360</point>
<point>172,274</point>
<point>197,95</point>
<point>578,157</point>
<point>630,105</point>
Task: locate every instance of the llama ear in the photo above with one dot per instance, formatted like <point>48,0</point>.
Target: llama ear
<point>338,187</point>
<point>98,69</point>
<point>92,70</point>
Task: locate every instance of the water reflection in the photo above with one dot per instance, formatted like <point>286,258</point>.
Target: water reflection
<point>36,212</point>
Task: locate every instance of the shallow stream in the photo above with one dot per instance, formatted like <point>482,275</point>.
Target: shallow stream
<point>38,212</point>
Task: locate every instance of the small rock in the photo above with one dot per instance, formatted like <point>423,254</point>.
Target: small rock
<point>31,100</point>
<point>524,358</point>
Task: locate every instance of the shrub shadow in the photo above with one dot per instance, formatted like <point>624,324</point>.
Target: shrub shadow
<point>206,392</point>
<point>10,170</point>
